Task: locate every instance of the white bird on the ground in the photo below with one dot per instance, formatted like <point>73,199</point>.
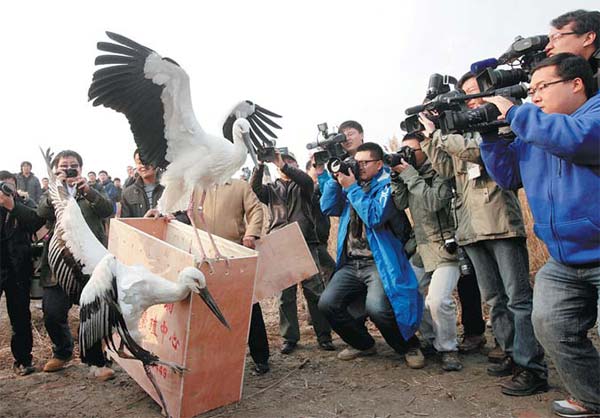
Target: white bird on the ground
<point>112,296</point>
<point>154,94</point>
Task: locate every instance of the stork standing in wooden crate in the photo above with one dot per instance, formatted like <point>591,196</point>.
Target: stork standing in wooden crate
<point>154,94</point>
<point>115,296</point>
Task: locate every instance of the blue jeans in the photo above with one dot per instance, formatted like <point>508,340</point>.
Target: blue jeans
<point>502,268</point>
<point>565,307</point>
<point>358,279</point>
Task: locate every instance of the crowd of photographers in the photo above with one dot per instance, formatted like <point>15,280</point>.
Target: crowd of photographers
<point>469,146</point>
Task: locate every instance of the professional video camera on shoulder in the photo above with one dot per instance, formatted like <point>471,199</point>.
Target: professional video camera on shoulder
<point>331,145</point>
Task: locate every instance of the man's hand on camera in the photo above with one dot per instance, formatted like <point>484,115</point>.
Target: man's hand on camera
<point>401,167</point>
<point>428,124</point>
<point>346,180</point>
<point>7,202</point>
<point>502,103</point>
<point>82,185</point>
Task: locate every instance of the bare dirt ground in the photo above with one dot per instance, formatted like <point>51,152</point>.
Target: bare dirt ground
<point>307,383</point>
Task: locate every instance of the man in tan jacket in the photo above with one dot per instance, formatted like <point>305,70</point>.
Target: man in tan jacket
<point>232,211</point>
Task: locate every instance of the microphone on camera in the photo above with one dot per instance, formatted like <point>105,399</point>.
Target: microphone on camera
<point>479,66</point>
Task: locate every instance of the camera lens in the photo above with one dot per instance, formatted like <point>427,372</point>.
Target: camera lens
<point>450,246</point>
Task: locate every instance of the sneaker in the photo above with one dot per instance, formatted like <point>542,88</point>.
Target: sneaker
<point>102,373</point>
<point>21,370</point>
<point>261,368</point>
<point>414,358</point>
<point>496,355</point>
<point>327,346</point>
<point>288,347</point>
<point>525,383</point>
<point>352,353</point>
<point>471,343</point>
<point>572,408</point>
<point>56,364</point>
<point>451,362</point>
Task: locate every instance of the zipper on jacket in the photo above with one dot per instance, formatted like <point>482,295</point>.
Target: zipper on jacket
<point>551,201</point>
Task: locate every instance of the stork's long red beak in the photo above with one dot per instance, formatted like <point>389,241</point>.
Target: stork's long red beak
<point>212,305</point>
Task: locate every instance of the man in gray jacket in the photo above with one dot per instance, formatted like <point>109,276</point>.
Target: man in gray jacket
<point>490,227</point>
<point>428,196</point>
<point>28,182</point>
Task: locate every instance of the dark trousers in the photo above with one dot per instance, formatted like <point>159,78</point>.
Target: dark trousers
<point>470,301</point>
<point>359,279</point>
<point>16,291</point>
<point>257,338</point>
<point>326,263</point>
<point>56,305</point>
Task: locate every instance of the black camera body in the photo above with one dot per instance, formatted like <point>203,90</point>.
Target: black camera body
<point>464,263</point>
<point>267,154</point>
<point>405,153</point>
<point>70,172</point>
<point>7,188</point>
<point>450,245</point>
<point>337,165</point>
<point>331,145</point>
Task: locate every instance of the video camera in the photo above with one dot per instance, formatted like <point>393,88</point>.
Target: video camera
<point>331,145</point>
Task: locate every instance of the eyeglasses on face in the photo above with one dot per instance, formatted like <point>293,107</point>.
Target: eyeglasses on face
<point>557,35</point>
<point>543,86</point>
<point>364,163</point>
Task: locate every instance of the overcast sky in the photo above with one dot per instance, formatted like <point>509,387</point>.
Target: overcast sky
<point>310,61</point>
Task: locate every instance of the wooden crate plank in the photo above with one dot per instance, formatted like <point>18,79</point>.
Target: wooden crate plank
<point>187,332</point>
<point>283,259</point>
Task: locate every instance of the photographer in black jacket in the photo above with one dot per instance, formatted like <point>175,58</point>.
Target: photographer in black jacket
<point>18,222</point>
<point>289,199</point>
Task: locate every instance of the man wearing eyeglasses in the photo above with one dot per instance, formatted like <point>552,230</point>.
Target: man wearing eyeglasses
<point>95,206</point>
<point>491,230</point>
<point>577,32</point>
<point>371,263</point>
<point>556,159</point>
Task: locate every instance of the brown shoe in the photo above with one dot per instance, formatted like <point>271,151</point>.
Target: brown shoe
<point>496,355</point>
<point>471,343</point>
<point>102,373</point>
<point>56,364</point>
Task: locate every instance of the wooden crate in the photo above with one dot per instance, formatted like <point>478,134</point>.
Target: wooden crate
<point>187,332</point>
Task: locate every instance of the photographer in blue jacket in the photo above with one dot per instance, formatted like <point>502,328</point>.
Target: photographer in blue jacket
<point>556,158</point>
<point>371,263</point>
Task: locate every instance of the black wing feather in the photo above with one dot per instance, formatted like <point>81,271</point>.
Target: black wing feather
<point>123,87</point>
<point>261,135</point>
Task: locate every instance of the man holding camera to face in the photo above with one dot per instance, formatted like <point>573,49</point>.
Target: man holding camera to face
<point>491,230</point>
<point>417,186</point>
<point>95,206</point>
<point>556,159</point>
<point>289,200</point>
<point>18,222</point>
<point>371,263</point>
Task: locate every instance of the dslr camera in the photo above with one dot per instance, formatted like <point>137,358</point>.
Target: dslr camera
<point>405,153</point>
<point>7,188</point>
<point>267,154</point>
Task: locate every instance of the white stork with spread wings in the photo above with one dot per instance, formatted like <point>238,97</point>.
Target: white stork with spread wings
<point>154,94</point>
<point>112,296</point>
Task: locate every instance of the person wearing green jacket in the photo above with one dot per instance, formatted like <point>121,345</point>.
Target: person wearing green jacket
<point>490,228</point>
<point>428,196</point>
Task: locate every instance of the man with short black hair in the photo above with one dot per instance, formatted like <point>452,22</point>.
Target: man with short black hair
<point>141,197</point>
<point>95,207</point>
<point>18,222</point>
<point>577,32</point>
<point>354,136</point>
<point>371,263</point>
<point>556,159</point>
<point>28,182</point>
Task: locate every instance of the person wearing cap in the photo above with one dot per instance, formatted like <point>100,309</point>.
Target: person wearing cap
<point>289,200</point>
